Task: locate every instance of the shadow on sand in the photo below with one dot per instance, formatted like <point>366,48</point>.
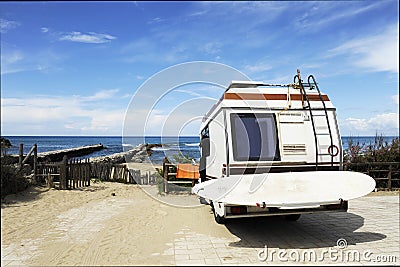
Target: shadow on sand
<point>27,195</point>
<point>33,193</point>
<point>310,231</point>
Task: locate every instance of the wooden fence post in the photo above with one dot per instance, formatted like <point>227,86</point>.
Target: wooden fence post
<point>165,180</point>
<point>109,171</point>
<point>80,173</point>
<point>21,154</point>
<point>49,180</point>
<point>390,177</point>
<point>88,172</point>
<point>71,173</point>
<point>63,174</point>
<point>34,162</point>
<point>124,174</point>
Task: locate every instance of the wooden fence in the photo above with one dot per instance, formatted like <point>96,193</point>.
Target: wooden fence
<point>70,174</point>
<point>48,173</point>
<point>121,173</point>
<point>386,174</point>
<point>77,173</point>
<point>67,174</point>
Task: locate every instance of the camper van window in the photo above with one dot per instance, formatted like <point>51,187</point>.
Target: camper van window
<point>254,137</point>
<point>205,142</point>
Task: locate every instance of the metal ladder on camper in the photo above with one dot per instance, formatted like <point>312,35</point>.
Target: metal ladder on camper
<point>312,116</point>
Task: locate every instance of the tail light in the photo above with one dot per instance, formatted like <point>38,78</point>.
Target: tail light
<point>238,210</point>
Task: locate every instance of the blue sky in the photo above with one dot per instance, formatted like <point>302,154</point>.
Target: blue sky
<point>72,68</point>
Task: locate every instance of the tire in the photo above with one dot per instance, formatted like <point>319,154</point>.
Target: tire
<point>292,217</point>
<point>218,219</point>
<point>203,201</point>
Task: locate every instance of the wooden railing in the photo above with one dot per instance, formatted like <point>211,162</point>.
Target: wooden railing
<point>23,160</point>
<point>121,173</point>
<point>386,174</point>
<point>70,174</point>
<point>67,174</point>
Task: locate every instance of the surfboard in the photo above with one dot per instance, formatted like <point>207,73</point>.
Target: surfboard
<point>287,190</point>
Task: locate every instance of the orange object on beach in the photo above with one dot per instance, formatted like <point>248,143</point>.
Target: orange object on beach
<point>187,171</point>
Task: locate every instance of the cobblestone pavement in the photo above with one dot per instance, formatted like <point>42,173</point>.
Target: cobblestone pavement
<point>367,234</point>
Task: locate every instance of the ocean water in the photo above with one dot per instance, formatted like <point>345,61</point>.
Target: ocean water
<point>187,145</point>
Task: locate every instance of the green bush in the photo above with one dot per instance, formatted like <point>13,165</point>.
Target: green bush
<point>180,158</point>
<point>375,159</point>
<point>378,151</point>
<point>4,144</point>
<point>12,180</point>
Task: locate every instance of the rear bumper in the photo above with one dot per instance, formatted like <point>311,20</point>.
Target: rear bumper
<point>259,212</point>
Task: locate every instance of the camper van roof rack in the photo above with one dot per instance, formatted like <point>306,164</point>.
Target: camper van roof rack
<point>253,84</point>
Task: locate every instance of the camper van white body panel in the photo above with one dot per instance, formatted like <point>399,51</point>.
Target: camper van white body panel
<point>217,145</point>
<point>297,141</point>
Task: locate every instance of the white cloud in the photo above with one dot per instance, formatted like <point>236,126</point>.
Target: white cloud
<point>386,124</point>
<point>106,122</point>
<point>378,52</point>
<point>90,115</point>
<point>6,25</point>
<point>10,62</point>
<point>150,50</point>
<point>12,57</point>
<point>156,20</point>
<point>395,99</point>
<point>103,94</point>
<point>14,60</point>
<point>197,13</point>
<point>44,29</point>
<point>260,67</point>
<point>91,37</point>
<point>211,48</point>
<point>316,16</point>
<point>189,92</point>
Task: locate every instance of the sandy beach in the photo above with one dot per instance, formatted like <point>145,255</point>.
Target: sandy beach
<point>119,224</point>
<point>90,226</point>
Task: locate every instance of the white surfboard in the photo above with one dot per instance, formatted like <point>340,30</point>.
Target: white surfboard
<point>287,190</point>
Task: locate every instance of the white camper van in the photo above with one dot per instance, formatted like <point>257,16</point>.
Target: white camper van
<point>274,150</point>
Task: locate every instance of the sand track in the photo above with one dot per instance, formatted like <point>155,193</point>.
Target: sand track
<point>91,227</point>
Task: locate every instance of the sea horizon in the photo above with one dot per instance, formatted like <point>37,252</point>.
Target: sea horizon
<point>171,145</point>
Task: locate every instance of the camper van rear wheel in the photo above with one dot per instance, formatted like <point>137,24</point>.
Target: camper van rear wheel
<point>218,219</point>
<point>292,217</point>
<point>203,201</point>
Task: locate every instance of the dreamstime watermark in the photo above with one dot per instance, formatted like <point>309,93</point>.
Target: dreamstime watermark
<point>340,253</point>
